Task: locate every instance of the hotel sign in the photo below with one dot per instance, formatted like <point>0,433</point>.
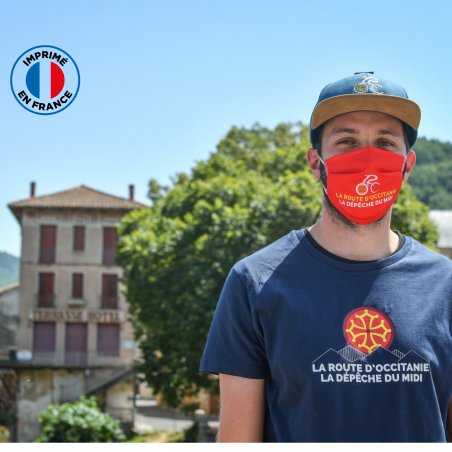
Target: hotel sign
<point>76,315</point>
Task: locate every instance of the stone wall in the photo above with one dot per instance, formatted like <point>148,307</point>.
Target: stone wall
<point>40,387</point>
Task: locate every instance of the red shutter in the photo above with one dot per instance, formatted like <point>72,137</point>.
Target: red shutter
<point>48,243</point>
<point>108,338</point>
<point>77,285</point>
<point>46,290</point>
<point>76,343</point>
<point>109,291</point>
<point>44,336</point>
<point>110,240</point>
<point>79,238</point>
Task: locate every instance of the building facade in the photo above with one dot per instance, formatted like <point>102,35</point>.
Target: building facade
<point>443,222</point>
<point>73,335</point>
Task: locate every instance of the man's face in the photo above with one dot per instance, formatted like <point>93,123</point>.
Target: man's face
<point>360,129</point>
<point>357,130</point>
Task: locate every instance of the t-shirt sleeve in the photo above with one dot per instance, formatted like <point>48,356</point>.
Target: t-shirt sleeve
<point>234,345</point>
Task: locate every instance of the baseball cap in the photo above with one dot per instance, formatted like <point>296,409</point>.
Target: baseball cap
<point>366,91</point>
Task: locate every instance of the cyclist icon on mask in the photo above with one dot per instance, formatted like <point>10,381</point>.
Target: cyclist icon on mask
<point>370,181</point>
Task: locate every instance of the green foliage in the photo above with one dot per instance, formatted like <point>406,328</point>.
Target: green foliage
<point>431,178</point>
<point>161,436</point>
<point>254,189</point>
<point>9,269</point>
<point>190,434</point>
<point>410,216</point>
<point>79,422</point>
<point>156,191</point>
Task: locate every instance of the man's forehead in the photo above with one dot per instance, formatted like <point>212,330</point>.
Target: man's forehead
<point>360,121</point>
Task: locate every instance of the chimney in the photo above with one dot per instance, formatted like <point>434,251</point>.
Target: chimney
<point>32,189</point>
<point>131,188</point>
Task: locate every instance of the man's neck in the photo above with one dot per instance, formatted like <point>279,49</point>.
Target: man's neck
<point>363,243</point>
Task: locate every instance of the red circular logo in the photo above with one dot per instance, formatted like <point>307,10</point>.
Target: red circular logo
<point>367,328</point>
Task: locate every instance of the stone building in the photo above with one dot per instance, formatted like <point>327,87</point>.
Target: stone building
<point>72,332</point>
<point>443,222</point>
<point>9,320</point>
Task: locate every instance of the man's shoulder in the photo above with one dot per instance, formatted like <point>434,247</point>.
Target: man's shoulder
<point>425,256</point>
<point>262,264</point>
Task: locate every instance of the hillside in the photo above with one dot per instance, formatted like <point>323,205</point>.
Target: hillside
<point>431,179</point>
<point>9,269</point>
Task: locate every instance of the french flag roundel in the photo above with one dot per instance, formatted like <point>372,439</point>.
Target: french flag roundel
<point>55,82</point>
<point>45,80</point>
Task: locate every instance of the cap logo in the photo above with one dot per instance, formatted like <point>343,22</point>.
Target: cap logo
<point>369,84</point>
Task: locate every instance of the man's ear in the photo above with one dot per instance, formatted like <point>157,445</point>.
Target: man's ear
<point>314,162</point>
<point>410,161</point>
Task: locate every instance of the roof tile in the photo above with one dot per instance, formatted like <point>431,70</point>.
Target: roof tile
<point>81,197</point>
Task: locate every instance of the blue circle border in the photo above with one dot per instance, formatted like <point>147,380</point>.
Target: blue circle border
<point>35,112</point>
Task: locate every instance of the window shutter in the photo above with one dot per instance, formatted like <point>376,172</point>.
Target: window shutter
<point>77,285</point>
<point>110,240</point>
<point>76,343</point>
<point>44,336</point>
<point>46,290</point>
<point>109,291</point>
<point>79,238</point>
<point>48,243</point>
<point>108,338</point>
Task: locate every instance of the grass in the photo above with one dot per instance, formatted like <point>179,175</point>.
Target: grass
<point>159,436</point>
<point>4,434</point>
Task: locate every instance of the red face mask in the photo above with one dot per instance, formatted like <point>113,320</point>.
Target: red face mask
<point>364,184</point>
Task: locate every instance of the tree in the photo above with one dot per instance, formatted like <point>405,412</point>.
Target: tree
<point>176,255</point>
<point>432,174</point>
<point>79,422</point>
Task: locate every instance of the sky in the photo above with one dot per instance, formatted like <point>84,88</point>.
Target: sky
<point>163,81</point>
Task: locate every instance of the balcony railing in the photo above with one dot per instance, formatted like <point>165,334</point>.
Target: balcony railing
<point>46,301</point>
<point>109,302</point>
<point>76,302</point>
<point>64,359</point>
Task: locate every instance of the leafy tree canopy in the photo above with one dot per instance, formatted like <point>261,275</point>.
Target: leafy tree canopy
<point>432,175</point>
<point>79,422</point>
<point>254,189</point>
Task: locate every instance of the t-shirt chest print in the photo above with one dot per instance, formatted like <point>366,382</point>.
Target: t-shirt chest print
<point>368,358</point>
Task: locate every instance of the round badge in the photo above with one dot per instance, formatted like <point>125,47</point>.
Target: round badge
<point>45,80</point>
<point>361,88</point>
<point>367,328</point>
<point>361,189</point>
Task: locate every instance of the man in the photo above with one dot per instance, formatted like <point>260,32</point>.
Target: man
<point>341,331</point>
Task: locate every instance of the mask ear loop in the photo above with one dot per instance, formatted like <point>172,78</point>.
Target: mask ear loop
<point>404,164</point>
<point>326,171</point>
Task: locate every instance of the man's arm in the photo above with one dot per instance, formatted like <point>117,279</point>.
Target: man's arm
<point>242,402</point>
<point>449,422</point>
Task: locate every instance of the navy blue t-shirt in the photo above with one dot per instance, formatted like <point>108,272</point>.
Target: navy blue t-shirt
<point>350,352</point>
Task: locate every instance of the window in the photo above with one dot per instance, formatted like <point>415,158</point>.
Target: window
<point>76,344</point>
<point>109,291</point>
<point>108,338</point>
<point>48,244</point>
<point>79,238</point>
<point>77,285</point>
<point>110,240</point>
<point>44,336</point>
<point>46,290</point>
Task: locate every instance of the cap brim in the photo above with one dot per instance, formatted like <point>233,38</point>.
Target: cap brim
<point>404,109</point>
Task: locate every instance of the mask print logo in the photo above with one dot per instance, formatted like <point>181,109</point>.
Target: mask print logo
<point>369,182</point>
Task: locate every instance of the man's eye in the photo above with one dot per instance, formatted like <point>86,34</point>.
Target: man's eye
<point>345,141</point>
<point>385,143</point>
